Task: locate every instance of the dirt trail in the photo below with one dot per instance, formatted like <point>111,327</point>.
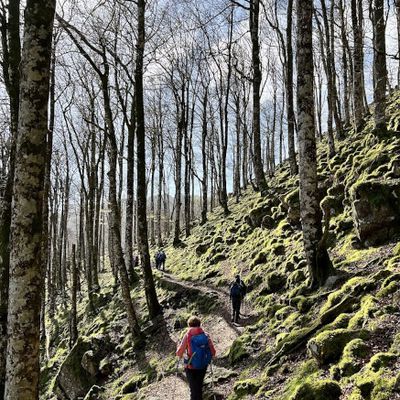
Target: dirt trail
<point>223,334</point>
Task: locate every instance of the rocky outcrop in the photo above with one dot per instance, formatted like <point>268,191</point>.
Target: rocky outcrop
<point>81,369</point>
<point>376,210</point>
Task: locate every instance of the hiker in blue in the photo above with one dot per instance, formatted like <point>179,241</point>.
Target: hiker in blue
<point>197,350</point>
<point>160,258</point>
<point>236,294</point>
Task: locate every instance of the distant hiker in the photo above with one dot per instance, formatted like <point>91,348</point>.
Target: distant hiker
<point>237,292</point>
<point>135,260</point>
<point>197,350</point>
<point>161,257</point>
<point>156,259</point>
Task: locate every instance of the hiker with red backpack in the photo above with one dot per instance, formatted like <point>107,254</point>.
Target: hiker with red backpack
<point>237,292</point>
<point>197,350</point>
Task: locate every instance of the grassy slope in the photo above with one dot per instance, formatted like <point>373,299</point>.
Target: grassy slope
<point>271,262</point>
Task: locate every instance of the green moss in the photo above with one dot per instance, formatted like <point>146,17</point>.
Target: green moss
<point>354,286</point>
<point>239,349</point>
<point>306,370</point>
<point>328,346</point>
<point>134,383</point>
<point>318,390</point>
<point>381,360</point>
<point>369,306</point>
<point>341,321</point>
<point>395,347</point>
<point>247,387</point>
<point>353,353</point>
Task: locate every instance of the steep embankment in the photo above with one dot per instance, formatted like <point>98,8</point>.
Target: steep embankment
<point>340,342</point>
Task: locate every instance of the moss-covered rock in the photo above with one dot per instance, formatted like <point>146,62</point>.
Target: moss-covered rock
<point>275,281</point>
<point>73,380</point>
<point>353,353</point>
<point>318,390</point>
<point>134,383</point>
<point>292,205</point>
<point>376,210</point>
<point>369,305</point>
<point>247,387</point>
<point>381,360</point>
<point>328,346</point>
<point>239,349</point>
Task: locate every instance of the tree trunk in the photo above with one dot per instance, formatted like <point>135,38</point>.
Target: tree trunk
<point>380,74</point>
<point>397,5</point>
<point>289,91</point>
<point>257,157</point>
<point>178,169</point>
<point>22,374</point>
<point>329,77</point>
<point>73,314</point>
<point>343,35</point>
<point>358,102</point>
<point>143,245</point>
<point>317,258</point>
<point>160,150</point>
<point>12,53</point>
<point>129,200</point>
<point>204,158</point>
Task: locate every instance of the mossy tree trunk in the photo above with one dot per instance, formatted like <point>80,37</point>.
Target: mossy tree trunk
<point>317,256</point>
<point>143,245</point>
<point>11,46</point>
<point>22,372</point>
<point>380,73</point>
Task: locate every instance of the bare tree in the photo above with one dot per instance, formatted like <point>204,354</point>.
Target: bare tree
<point>22,373</point>
<point>317,256</point>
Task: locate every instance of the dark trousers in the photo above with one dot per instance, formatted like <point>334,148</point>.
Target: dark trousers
<point>236,302</point>
<point>195,379</point>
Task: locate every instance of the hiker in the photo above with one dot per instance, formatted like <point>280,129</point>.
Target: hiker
<point>236,294</point>
<point>161,259</point>
<point>156,259</point>
<point>197,349</point>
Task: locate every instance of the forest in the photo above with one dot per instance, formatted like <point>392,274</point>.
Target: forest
<point>156,153</point>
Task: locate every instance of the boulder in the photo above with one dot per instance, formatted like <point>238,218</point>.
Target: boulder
<point>257,214</point>
<point>318,390</point>
<point>328,346</point>
<point>80,370</point>
<point>89,363</point>
<point>202,248</point>
<point>291,203</point>
<point>94,393</point>
<point>268,222</point>
<point>376,210</point>
<point>275,281</point>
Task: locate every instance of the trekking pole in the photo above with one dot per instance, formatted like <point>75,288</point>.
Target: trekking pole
<point>212,381</point>
<point>176,380</point>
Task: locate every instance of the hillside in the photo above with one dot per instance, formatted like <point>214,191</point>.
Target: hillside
<point>340,342</point>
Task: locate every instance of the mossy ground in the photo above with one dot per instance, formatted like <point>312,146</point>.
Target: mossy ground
<point>363,298</point>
